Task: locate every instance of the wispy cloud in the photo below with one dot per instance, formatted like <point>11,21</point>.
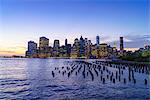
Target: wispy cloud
<point>7,52</point>
<point>14,50</point>
<point>134,41</point>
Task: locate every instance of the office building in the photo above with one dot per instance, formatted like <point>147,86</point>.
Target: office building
<point>43,47</point>
<point>32,49</point>
<point>75,49</point>
<point>97,41</point>
<point>56,47</point>
<point>121,44</point>
<point>66,42</point>
<point>81,47</point>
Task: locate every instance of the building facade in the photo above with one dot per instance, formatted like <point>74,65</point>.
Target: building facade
<point>97,41</point>
<point>75,49</point>
<point>121,47</point>
<point>32,49</point>
<point>81,47</point>
<point>43,47</point>
<point>56,48</point>
<point>121,44</point>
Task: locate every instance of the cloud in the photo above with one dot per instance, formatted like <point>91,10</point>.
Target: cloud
<point>14,50</point>
<point>7,52</point>
<point>133,41</point>
<point>131,49</point>
<point>138,37</point>
<point>16,47</point>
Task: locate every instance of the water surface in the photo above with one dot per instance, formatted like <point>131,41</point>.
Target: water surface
<point>22,78</point>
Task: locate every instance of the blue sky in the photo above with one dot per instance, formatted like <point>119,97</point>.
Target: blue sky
<point>24,20</point>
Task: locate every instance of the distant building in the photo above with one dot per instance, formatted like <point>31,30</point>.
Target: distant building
<point>94,51</point>
<point>43,47</point>
<point>56,44</point>
<point>147,47</point>
<point>103,51</point>
<point>86,46</point>
<point>66,42</point>
<point>81,47</point>
<point>121,53</point>
<point>68,50</point>
<point>76,42</point>
<point>75,49</point>
<point>97,41</point>
<point>111,53</point>
<point>50,51</point>
<point>115,53</point>
<point>121,44</point>
<point>88,49</point>
<point>86,41</point>
<point>56,48</point>
<point>43,42</point>
<point>32,49</point>
<point>62,51</point>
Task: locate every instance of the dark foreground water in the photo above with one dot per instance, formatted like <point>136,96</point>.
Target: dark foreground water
<point>64,79</point>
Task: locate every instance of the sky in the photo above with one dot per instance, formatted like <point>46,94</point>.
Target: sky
<point>25,20</point>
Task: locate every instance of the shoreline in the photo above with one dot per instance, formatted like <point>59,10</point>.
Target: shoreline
<point>108,60</point>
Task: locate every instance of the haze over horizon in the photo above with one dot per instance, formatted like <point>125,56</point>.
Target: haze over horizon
<point>25,20</point>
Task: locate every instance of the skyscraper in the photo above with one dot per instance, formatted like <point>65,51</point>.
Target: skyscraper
<point>97,41</point>
<point>56,44</point>
<point>44,42</point>
<point>76,42</point>
<point>82,47</point>
<point>68,49</point>
<point>86,46</point>
<point>75,49</point>
<point>86,41</point>
<point>43,47</point>
<point>103,51</point>
<point>66,42</point>
<point>32,49</point>
<point>56,48</point>
<point>121,44</point>
<point>89,49</point>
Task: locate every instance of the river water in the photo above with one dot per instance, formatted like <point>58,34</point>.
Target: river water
<point>69,79</point>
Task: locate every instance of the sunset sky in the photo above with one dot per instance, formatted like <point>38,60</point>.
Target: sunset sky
<point>25,20</point>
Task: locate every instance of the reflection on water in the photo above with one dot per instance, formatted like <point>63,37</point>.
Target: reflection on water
<point>72,79</point>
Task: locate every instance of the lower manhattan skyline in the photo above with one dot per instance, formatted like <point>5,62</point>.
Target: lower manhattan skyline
<point>22,21</point>
<point>74,49</point>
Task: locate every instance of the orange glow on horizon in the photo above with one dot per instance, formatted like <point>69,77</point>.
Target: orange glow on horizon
<point>15,51</point>
<point>131,49</point>
<point>21,51</point>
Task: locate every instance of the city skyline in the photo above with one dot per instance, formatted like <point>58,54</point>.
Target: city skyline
<point>81,48</point>
<point>22,21</point>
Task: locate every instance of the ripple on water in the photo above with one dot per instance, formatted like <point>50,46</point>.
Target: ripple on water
<point>62,89</point>
<point>36,82</point>
<point>53,86</point>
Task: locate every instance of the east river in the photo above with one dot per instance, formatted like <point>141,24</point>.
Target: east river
<point>72,79</point>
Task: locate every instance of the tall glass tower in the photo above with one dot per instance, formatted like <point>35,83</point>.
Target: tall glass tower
<point>121,44</point>
<point>97,41</point>
<point>66,42</point>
